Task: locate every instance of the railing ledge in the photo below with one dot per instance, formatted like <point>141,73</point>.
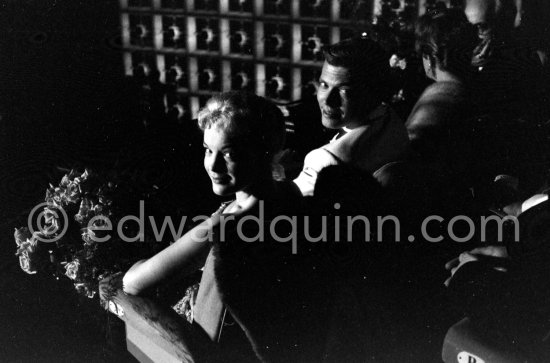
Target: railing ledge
<point>156,333</point>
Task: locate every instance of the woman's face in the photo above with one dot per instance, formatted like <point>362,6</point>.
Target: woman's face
<point>230,164</point>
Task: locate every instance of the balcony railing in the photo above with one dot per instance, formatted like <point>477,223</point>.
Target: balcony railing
<point>156,333</point>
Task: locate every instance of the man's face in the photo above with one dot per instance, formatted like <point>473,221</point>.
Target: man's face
<point>342,101</point>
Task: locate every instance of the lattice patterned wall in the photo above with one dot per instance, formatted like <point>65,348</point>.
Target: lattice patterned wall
<point>272,47</point>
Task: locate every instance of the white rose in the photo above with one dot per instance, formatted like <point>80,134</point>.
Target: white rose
<point>26,263</point>
<point>21,235</point>
<point>88,236</point>
<point>71,269</point>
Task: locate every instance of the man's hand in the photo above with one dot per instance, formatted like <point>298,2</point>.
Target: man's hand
<point>492,252</point>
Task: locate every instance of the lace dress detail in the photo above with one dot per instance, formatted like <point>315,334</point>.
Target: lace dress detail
<point>185,306</point>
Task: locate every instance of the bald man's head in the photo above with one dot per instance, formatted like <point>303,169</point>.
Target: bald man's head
<point>499,15</point>
<point>480,11</point>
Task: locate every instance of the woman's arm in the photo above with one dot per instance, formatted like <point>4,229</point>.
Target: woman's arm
<point>187,254</point>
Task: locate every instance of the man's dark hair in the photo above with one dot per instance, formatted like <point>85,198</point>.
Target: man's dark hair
<point>366,60</point>
<point>448,38</point>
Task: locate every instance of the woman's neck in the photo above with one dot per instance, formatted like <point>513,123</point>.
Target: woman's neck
<point>445,76</point>
<point>258,191</point>
<point>244,199</point>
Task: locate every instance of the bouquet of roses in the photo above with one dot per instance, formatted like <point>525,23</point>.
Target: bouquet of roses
<point>71,238</point>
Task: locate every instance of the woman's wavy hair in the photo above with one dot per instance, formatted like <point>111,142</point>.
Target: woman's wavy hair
<point>446,37</point>
<point>253,119</point>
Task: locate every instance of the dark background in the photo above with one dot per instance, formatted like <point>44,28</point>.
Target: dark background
<point>64,101</point>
